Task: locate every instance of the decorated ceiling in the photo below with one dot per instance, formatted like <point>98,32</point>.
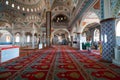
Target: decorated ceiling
<point>65,13</point>
<point>26,12</point>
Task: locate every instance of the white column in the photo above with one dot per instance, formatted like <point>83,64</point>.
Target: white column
<point>33,44</point>
<point>80,41</point>
<point>13,39</point>
<point>33,37</point>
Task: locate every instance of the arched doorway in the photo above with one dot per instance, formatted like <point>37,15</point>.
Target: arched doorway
<point>60,36</point>
<point>92,32</point>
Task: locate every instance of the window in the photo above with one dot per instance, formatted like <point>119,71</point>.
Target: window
<point>17,37</point>
<point>18,7</point>
<point>6,2</point>
<point>28,38</point>
<point>27,9</point>
<point>23,9</point>
<point>118,34</point>
<point>96,35</point>
<point>13,5</point>
<point>31,10</point>
<point>118,29</point>
<point>8,39</point>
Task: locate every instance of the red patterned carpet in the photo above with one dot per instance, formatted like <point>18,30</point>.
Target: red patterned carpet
<point>59,63</point>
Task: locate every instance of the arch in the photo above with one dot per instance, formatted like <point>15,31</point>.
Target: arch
<point>20,24</point>
<point>89,31</point>
<point>5,37</point>
<point>59,9</point>
<point>5,17</point>
<point>5,24</point>
<point>60,36</point>
<point>33,17</point>
<point>61,14</point>
<point>60,18</point>
<point>90,17</point>
<point>28,33</point>
<point>90,25</point>
<point>52,34</point>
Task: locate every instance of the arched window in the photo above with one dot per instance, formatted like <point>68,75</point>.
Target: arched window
<point>17,37</point>
<point>8,38</point>
<point>28,38</point>
<point>96,35</point>
<point>118,29</point>
<point>118,34</point>
<point>7,2</point>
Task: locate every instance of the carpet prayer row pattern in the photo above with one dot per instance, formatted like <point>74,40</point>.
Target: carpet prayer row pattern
<point>59,63</point>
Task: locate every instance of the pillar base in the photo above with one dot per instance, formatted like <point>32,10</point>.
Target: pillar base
<point>116,62</point>
<point>117,56</point>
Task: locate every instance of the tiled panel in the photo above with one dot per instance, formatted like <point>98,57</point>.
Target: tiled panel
<point>102,8</point>
<point>108,39</point>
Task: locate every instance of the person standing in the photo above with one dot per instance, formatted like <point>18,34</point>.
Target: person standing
<point>100,47</point>
<point>88,46</point>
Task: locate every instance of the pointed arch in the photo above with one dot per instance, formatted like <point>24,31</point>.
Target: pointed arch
<point>89,18</point>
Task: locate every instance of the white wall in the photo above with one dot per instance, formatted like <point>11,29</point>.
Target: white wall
<point>118,41</point>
